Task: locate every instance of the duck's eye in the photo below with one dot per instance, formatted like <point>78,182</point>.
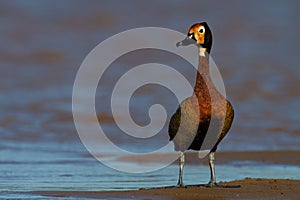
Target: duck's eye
<point>201,30</point>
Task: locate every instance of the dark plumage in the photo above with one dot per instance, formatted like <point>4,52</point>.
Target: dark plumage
<point>205,110</point>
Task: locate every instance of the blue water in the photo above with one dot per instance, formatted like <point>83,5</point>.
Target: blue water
<point>43,43</point>
<point>67,170</point>
<point>40,167</point>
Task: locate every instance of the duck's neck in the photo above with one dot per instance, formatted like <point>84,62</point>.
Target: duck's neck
<point>203,79</point>
<point>203,65</point>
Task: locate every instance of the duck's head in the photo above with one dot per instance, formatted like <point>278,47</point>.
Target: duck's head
<point>200,35</point>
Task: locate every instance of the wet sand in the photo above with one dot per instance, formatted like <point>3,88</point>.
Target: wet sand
<point>249,189</point>
<point>288,157</point>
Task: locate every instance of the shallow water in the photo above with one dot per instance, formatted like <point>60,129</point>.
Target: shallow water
<point>70,170</point>
<point>256,47</point>
<point>48,169</point>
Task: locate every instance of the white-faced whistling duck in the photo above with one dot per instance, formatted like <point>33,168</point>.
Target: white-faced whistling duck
<point>193,126</point>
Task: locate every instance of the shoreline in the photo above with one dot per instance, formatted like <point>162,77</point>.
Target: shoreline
<point>249,189</point>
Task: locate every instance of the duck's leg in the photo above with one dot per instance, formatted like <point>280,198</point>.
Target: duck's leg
<point>181,164</point>
<point>212,182</point>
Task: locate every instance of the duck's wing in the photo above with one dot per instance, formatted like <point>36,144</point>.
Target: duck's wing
<point>174,123</point>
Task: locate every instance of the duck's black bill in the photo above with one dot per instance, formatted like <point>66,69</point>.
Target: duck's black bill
<point>185,42</point>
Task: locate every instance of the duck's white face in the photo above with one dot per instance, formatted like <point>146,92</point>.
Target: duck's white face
<point>200,35</point>
<point>197,32</point>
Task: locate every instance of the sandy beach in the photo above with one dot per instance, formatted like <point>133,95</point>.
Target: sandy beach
<point>249,189</point>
